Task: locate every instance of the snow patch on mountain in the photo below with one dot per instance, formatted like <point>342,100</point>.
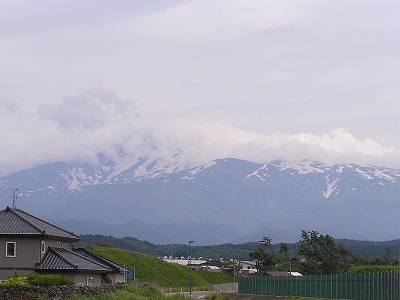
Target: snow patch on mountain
<point>304,167</point>
<point>331,186</point>
<point>256,172</point>
<point>75,177</point>
<point>198,169</point>
<point>381,174</point>
<point>340,169</point>
<point>364,174</point>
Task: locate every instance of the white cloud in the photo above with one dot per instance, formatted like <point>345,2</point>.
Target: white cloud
<point>259,80</point>
<point>9,107</point>
<point>89,110</point>
<point>195,144</point>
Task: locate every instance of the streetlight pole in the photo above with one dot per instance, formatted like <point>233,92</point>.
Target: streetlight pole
<point>233,267</point>
<point>190,266</point>
<point>235,261</point>
<point>156,269</point>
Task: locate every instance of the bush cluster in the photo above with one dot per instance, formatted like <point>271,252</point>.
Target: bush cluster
<point>371,269</point>
<point>37,280</point>
<point>16,281</point>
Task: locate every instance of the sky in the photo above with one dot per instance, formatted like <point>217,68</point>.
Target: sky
<point>254,80</point>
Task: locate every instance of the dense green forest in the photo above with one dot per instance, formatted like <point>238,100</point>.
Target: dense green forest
<point>375,250</point>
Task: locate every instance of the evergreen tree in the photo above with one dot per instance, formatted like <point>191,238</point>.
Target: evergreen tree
<point>321,254</point>
<point>265,260</point>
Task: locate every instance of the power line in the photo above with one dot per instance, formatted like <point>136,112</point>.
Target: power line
<point>45,218</point>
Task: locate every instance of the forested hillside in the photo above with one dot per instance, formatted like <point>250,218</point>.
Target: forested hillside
<point>226,251</point>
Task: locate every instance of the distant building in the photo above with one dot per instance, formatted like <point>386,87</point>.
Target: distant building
<point>212,266</point>
<point>248,264</point>
<point>209,268</point>
<point>195,263</point>
<point>281,273</point>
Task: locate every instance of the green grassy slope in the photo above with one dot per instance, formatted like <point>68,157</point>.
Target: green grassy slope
<point>216,277</point>
<point>169,274</point>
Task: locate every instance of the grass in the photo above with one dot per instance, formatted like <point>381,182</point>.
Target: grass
<point>170,275</point>
<point>216,277</point>
<point>131,293</point>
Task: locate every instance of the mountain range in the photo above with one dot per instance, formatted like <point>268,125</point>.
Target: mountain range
<point>225,200</point>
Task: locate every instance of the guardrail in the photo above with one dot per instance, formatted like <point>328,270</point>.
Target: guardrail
<point>225,288</point>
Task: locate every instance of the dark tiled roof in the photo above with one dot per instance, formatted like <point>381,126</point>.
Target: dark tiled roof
<point>64,259</point>
<point>16,221</point>
<point>100,259</point>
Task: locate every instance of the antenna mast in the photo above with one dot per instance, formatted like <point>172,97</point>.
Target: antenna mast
<point>15,197</point>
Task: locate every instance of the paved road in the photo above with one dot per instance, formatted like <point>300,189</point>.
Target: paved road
<point>196,295</point>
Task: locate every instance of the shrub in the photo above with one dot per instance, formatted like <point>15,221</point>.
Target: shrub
<point>16,281</point>
<point>37,280</point>
<point>371,269</point>
<point>49,280</point>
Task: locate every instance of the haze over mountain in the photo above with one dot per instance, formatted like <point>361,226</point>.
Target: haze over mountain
<point>225,200</point>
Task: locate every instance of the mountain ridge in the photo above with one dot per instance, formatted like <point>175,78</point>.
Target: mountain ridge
<point>241,198</point>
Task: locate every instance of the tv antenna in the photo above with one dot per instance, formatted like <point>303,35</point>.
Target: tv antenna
<point>14,196</point>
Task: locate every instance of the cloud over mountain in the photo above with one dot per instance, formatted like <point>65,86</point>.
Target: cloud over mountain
<point>199,80</point>
<point>190,143</point>
<point>9,107</point>
<point>90,110</point>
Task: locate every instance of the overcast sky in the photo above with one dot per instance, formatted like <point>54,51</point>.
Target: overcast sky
<point>257,80</point>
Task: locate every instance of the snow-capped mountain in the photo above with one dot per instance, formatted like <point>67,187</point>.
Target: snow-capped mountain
<point>223,200</point>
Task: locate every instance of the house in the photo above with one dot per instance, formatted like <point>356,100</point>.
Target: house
<point>31,245</point>
<point>212,266</point>
<point>247,267</point>
<point>248,264</point>
<point>281,273</point>
<point>209,268</point>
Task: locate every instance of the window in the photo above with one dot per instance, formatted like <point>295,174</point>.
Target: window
<point>10,249</point>
<point>43,247</point>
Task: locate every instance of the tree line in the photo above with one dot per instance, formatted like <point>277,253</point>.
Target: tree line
<point>316,254</point>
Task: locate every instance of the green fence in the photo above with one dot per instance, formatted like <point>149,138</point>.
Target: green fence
<point>370,286</point>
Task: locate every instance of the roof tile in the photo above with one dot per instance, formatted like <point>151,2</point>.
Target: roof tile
<point>64,259</point>
<point>16,221</point>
